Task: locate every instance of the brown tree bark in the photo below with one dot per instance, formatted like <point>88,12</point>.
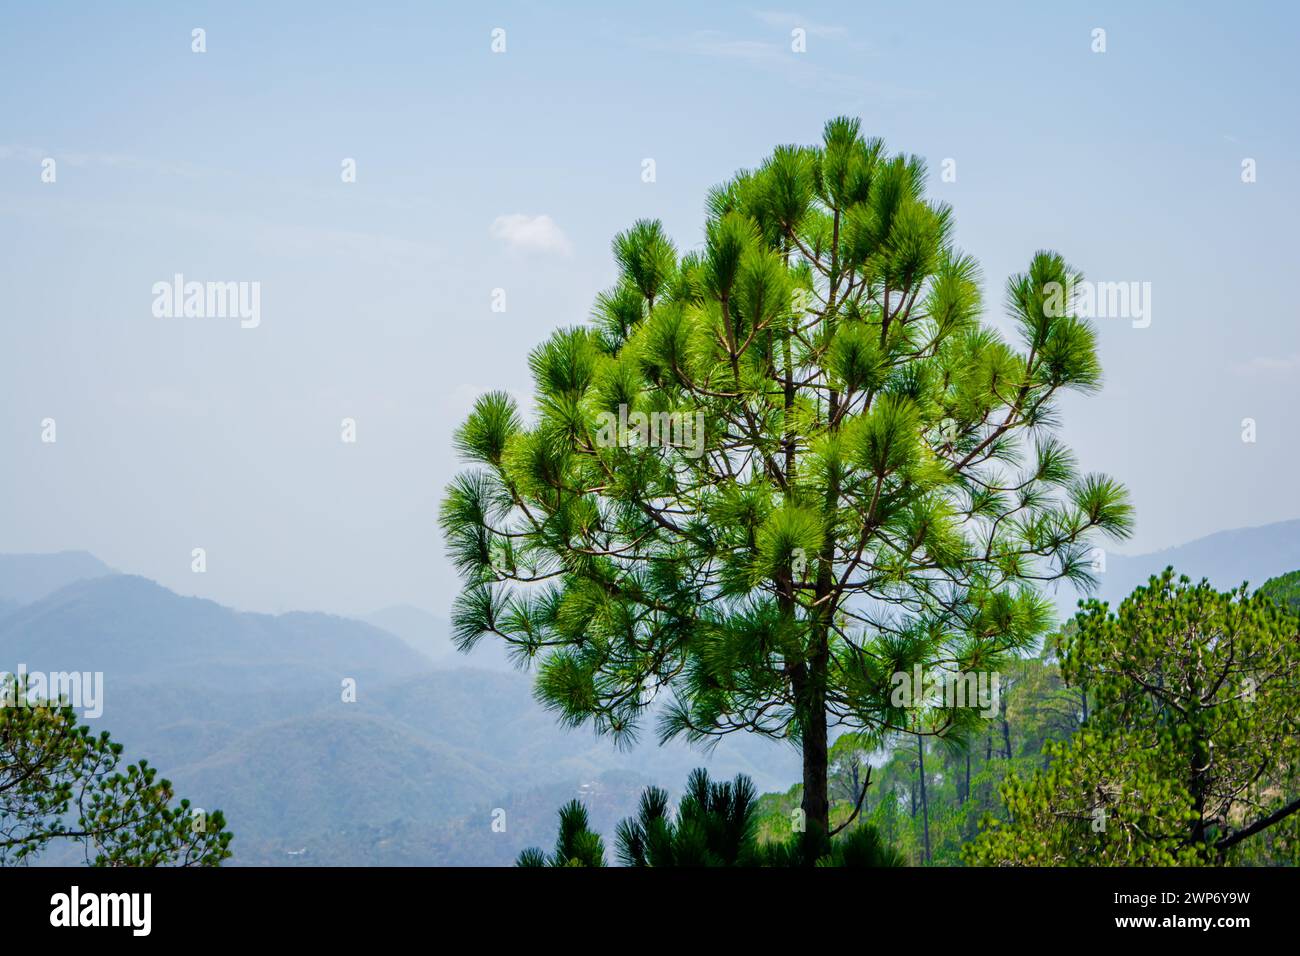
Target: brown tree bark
<point>816,801</point>
<point>925,806</point>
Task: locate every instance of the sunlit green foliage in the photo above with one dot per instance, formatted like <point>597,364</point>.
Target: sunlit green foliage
<point>714,825</point>
<point>876,483</point>
<point>1284,590</point>
<point>1190,751</point>
<point>61,784</point>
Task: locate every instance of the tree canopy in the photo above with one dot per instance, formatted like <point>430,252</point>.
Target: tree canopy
<point>772,473</point>
<point>62,785</point>
<point>1284,590</point>
<point>1191,747</point>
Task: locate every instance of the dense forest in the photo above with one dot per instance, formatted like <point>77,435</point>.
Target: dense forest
<point>932,797</point>
<point>928,795</point>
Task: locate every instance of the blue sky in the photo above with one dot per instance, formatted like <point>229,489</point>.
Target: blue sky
<point>375,295</point>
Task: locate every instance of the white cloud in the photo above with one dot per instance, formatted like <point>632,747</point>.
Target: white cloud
<point>773,52</point>
<point>1271,363</point>
<point>531,233</point>
<point>310,241</point>
<point>788,21</point>
<point>718,44</point>
<point>80,158</point>
<point>776,51</point>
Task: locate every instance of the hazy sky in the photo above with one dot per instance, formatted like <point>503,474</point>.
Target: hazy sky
<point>177,433</point>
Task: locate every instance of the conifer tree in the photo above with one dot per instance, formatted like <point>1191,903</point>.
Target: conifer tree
<point>771,473</point>
<point>576,844</point>
<point>1190,753</point>
<point>61,785</point>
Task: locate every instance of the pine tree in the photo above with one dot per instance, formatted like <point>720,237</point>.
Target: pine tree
<point>715,825</point>
<point>62,785</point>
<point>1190,752</point>
<point>772,473</point>
<point>576,844</point>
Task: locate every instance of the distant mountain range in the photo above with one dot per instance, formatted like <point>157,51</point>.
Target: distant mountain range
<point>245,711</point>
<point>1226,559</point>
<point>25,578</point>
<point>430,635</point>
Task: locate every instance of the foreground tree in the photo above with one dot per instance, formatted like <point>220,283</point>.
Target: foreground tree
<point>776,472</point>
<point>715,825</point>
<point>60,784</point>
<point>575,844</point>
<point>1192,744</point>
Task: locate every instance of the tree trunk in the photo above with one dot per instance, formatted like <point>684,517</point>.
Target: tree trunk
<point>1006,725</point>
<point>812,699</point>
<point>817,804</point>
<point>816,801</point>
<point>925,807</point>
<point>965,795</point>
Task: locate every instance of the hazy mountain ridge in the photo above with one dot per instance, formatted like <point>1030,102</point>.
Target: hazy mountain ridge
<point>246,712</point>
<point>1226,559</point>
<point>25,578</point>
<point>430,635</point>
<point>128,627</point>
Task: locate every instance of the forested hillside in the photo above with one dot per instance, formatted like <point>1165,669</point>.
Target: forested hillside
<point>931,798</point>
